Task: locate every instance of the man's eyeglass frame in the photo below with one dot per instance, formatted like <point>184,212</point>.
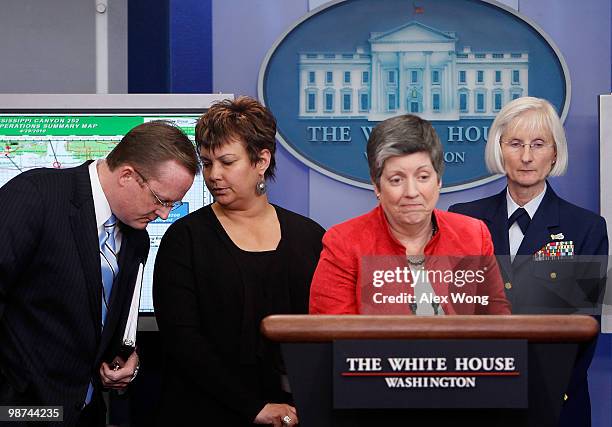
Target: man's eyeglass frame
<point>171,205</point>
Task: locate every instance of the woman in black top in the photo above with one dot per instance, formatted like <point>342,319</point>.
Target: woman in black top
<point>221,270</point>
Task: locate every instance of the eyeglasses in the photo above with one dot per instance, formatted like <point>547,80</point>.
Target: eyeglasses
<point>536,146</point>
<point>171,205</point>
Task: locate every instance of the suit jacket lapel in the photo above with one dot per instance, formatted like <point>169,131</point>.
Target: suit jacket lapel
<point>497,221</point>
<point>538,233</point>
<point>83,222</point>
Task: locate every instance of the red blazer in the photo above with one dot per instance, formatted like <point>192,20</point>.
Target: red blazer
<point>344,281</point>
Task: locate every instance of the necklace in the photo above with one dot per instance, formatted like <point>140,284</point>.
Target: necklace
<point>418,260</point>
<point>415,260</point>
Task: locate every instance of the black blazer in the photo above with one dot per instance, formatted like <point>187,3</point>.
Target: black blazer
<point>51,340</point>
<point>552,286</point>
<point>211,367</point>
<point>549,286</point>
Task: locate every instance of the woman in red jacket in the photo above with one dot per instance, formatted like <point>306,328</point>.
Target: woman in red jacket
<point>405,256</point>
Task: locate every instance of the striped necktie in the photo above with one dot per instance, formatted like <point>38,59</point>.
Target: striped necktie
<point>108,262</point>
<point>110,268</point>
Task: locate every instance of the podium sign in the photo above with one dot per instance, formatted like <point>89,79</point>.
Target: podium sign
<point>430,374</point>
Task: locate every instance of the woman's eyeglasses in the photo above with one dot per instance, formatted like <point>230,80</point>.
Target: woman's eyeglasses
<point>535,146</point>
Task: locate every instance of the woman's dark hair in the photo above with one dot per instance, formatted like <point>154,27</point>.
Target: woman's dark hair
<point>244,119</point>
<point>400,135</point>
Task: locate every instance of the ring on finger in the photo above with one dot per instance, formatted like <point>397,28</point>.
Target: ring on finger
<point>287,420</point>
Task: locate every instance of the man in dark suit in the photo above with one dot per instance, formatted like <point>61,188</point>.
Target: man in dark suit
<point>72,244</point>
<point>552,254</point>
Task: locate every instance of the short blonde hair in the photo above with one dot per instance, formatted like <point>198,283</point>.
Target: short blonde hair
<point>547,118</point>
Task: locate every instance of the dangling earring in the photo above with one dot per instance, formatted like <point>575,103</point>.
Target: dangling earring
<point>260,187</point>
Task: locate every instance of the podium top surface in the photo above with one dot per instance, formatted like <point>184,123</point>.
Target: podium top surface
<point>534,328</point>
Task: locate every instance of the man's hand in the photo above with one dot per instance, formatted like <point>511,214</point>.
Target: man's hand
<point>277,415</point>
<point>120,373</point>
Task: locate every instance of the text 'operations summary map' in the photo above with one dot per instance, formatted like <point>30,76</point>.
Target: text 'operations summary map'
<point>63,141</point>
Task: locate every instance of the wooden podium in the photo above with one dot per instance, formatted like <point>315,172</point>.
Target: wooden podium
<point>307,346</point>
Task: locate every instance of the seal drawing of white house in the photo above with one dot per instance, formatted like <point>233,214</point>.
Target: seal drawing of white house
<point>410,69</point>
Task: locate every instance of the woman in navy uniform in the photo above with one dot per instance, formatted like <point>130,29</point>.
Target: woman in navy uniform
<point>552,253</point>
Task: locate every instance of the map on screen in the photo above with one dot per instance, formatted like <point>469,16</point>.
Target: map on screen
<point>31,141</point>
